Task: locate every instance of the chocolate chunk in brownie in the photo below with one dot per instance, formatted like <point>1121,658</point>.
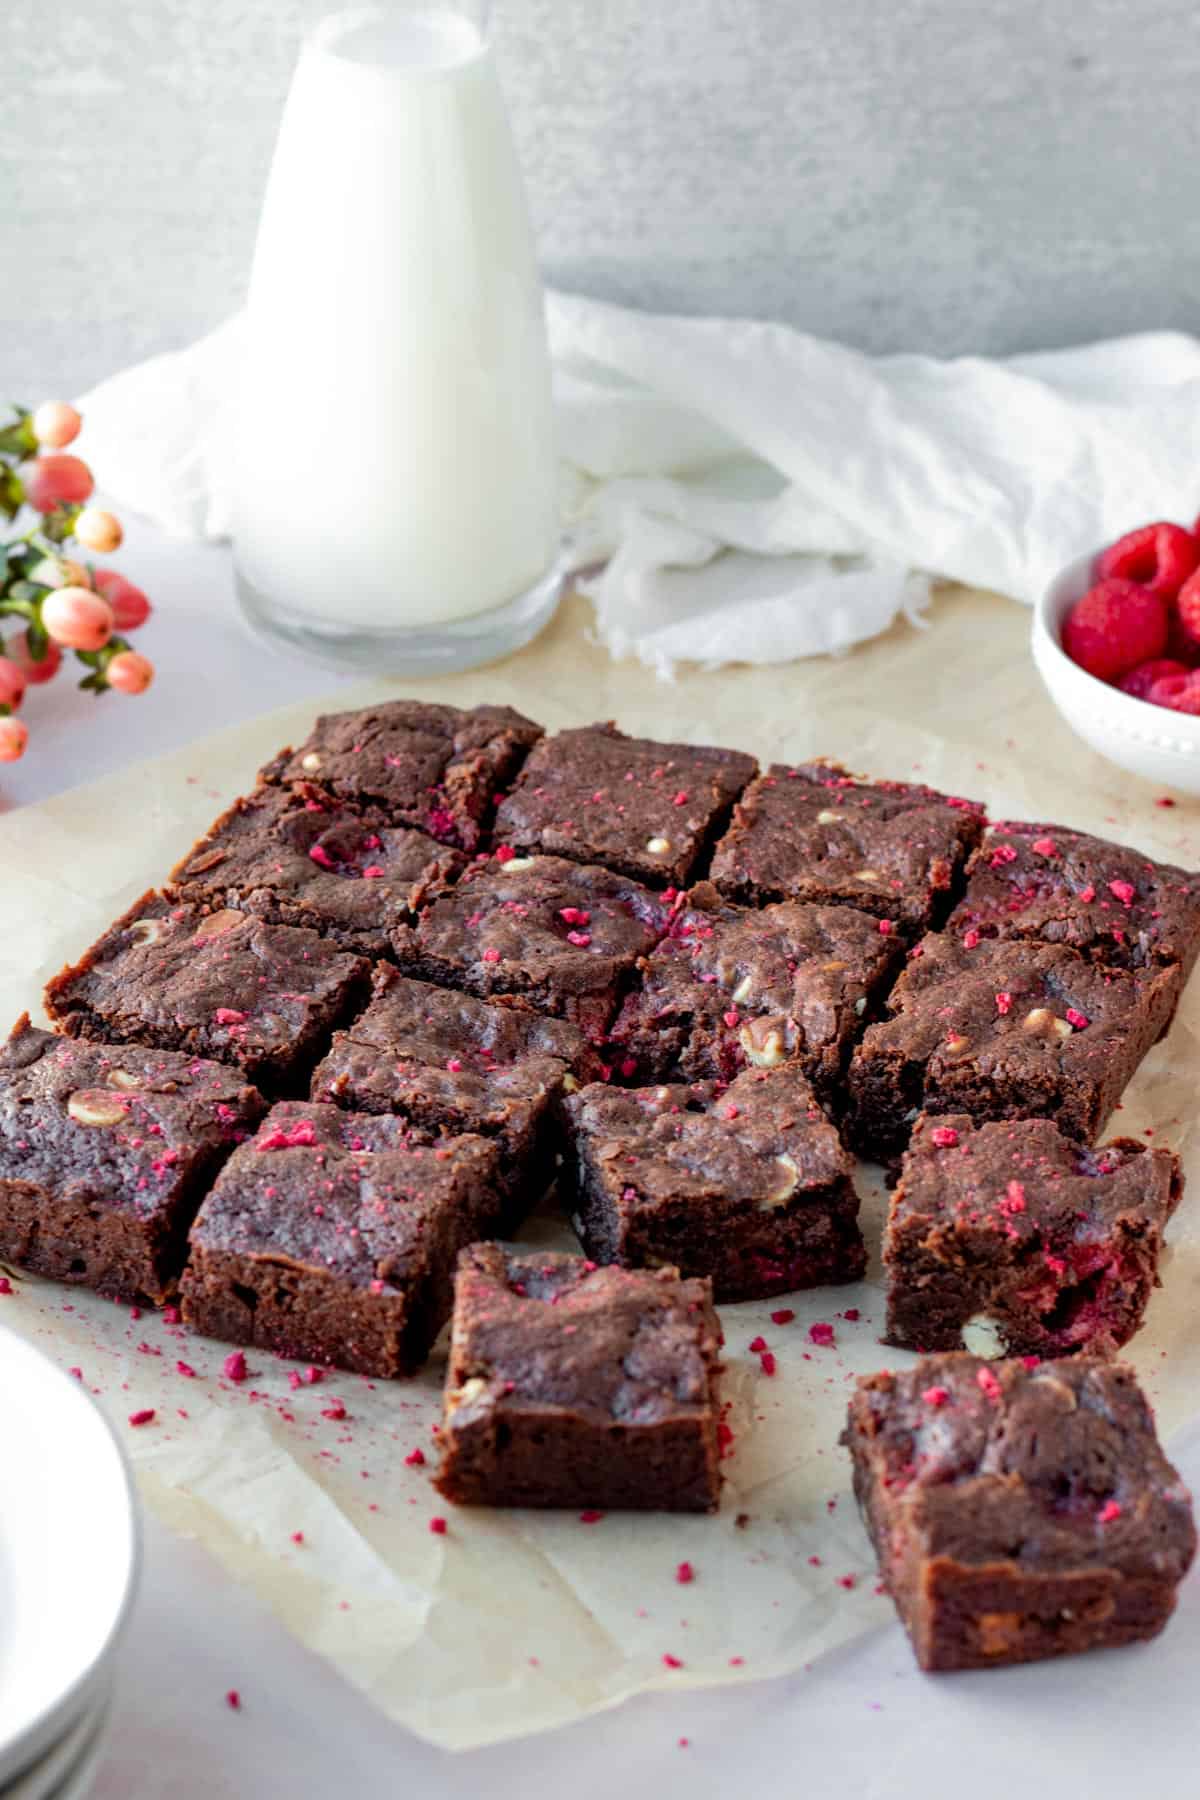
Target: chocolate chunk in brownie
<point>315,864</point>
<point>1107,901</point>
<point>1012,1239</point>
<point>570,1385</point>
<point>223,984</point>
<point>1004,1030</point>
<point>1018,1513</point>
<point>561,936</point>
<point>728,987</point>
<point>105,1151</point>
<point>650,810</point>
<point>749,1186</point>
<point>817,833</point>
<point>332,1237</point>
<point>410,762</point>
<point>448,1062</point>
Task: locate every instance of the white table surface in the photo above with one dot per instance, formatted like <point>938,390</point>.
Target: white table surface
<point>861,1722</point>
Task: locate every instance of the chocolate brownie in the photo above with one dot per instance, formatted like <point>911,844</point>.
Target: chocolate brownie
<point>1013,1239</point>
<point>315,864</point>
<point>218,984</point>
<point>1017,1512</point>
<point>1004,1030</point>
<point>570,1385</point>
<point>749,1186</point>
<point>451,1063</point>
<point>332,1237</point>
<point>817,833</point>
<point>1107,901</point>
<point>561,936</point>
<point>728,987</point>
<point>105,1152</point>
<point>410,762</point>
<point>650,810</point>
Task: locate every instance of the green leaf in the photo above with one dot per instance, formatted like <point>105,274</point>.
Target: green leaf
<point>37,639</point>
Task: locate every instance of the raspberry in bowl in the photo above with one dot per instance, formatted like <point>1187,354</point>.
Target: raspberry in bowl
<point>1116,640</point>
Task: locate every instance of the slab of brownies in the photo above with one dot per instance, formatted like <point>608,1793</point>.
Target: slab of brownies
<point>434,956</point>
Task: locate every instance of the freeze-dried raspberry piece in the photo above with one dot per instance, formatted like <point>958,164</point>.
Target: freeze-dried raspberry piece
<point>1187,610</point>
<point>1179,692</point>
<point>1159,557</point>
<point>1139,681</point>
<point>1116,626</point>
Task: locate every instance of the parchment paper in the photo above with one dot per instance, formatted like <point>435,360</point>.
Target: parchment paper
<point>514,1622</point>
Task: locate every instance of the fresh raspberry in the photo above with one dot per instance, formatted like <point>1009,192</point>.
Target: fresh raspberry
<point>1180,692</point>
<point>1116,626</point>
<point>1159,556</point>
<point>1139,681</point>
<point>1187,611</point>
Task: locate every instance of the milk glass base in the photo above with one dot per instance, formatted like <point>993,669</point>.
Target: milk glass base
<point>432,650</point>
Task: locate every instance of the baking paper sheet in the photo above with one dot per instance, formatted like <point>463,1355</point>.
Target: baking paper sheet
<point>514,1622</point>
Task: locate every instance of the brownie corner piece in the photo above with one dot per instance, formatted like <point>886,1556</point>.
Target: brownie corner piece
<point>575,1386</point>
<point>650,810</point>
<point>1018,1513</point>
<point>219,984</point>
<point>1003,1029</point>
<point>105,1151</point>
<point>815,832</point>
<point>413,762</point>
<point>1010,1237</point>
<point>331,1237</point>
<point>296,860</point>
<point>748,1186</point>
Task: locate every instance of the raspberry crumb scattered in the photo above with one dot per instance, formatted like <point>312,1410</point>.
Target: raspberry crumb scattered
<point>438,1526</point>
<point>684,1743</point>
<point>415,1459</point>
<point>671,1662</point>
<point>685,1573</point>
<point>234,1366</point>
<point>756,1344</point>
<point>988,1384</point>
<point>490,955</point>
<point>171,1315</point>
<point>1045,846</point>
<point>970,939</point>
<point>847,1581</point>
<point>186,1370</point>
<point>233,1700</point>
<point>886,927</point>
<point>1124,891</point>
<point>784,1316</point>
<point>336,1410</point>
<point>1003,1002</point>
<point>1108,1512</point>
<point>821,1333</point>
<point>144,1417</point>
<point>454,1065</point>
<point>1079,1020</point>
<point>1164,800</point>
<point>944,1136</point>
<point>852,1314</point>
<point>297,1537</point>
<point>504,853</point>
<point>731,1018</point>
<point>6,1286</point>
<point>767,1359</point>
<point>76,1373</point>
<point>936,1396</point>
<point>590,1516</point>
<point>1014,1198</point>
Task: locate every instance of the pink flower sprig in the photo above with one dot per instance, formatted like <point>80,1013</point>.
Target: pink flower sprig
<point>60,602</point>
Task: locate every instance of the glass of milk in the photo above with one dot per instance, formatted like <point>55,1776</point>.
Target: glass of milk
<point>397,506</point>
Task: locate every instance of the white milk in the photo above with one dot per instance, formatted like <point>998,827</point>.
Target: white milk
<point>396,446</point>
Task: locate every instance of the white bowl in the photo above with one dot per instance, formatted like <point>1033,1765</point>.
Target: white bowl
<point>1151,741</point>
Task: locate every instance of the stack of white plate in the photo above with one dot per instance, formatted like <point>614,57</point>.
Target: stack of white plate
<point>68,1567</point>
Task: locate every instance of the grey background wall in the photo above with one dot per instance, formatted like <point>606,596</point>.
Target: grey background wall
<point>901,173</point>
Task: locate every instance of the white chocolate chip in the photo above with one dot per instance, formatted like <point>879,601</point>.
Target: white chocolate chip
<point>828,818</point>
<point>515,864</point>
<point>570,1085</point>
<point>123,1078</point>
<point>311,761</point>
<point>742,991</point>
<point>955,1044</point>
<point>784,1187</point>
<point>860,1005</point>
<point>1045,1023</point>
<point>765,1055</point>
<point>464,1395</point>
<point>867,875</point>
<point>92,1106</point>
<point>659,846</point>
<point>146,931</point>
<point>981,1336</point>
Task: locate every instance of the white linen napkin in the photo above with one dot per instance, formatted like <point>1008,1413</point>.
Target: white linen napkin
<point>756,494</point>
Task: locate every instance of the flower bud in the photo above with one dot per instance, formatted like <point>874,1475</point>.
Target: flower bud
<point>129,672</point>
<point>98,530</point>
<point>13,739</point>
<point>12,682</point>
<point>77,619</point>
<point>52,481</point>
<point>55,424</point>
<point>130,606</point>
<point>34,672</point>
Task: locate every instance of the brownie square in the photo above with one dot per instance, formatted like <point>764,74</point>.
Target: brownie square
<point>1018,1513</point>
<point>817,833</point>
<point>1107,901</point>
<point>411,762</point>
<point>748,1186</point>
<point>650,810</point>
<point>315,864</point>
<point>448,1062</point>
<point>728,987</point>
<point>561,936</point>
<point>218,984</point>
<point>105,1152</point>
<point>332,1237</point>
<point>1004,1030</point>
<point>1010,1238</point>
<point>570,1385</point>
